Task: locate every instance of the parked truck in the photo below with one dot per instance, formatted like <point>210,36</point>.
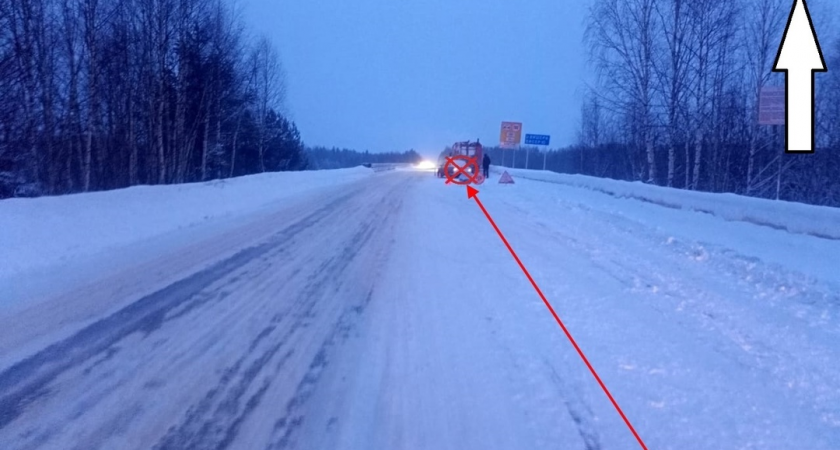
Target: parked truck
<point>472,150</point>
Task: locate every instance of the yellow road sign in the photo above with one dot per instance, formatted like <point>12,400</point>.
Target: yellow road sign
<point>511,134</point>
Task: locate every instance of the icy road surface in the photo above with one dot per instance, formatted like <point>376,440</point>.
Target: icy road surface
<point>386,314</point>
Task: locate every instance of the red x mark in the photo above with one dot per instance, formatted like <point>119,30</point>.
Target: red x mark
<point>458,170</point>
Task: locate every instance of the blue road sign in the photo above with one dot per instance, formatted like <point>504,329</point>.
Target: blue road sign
<point>537,139</point>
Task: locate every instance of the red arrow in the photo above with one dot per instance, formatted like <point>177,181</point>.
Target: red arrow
<point>472,193</point>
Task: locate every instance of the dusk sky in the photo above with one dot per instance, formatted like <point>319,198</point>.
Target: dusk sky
<point>388,75</point>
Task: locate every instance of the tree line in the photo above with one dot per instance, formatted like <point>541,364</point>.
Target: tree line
<point>677,99</point>
<point>103,94</point>
<point>320,157</point>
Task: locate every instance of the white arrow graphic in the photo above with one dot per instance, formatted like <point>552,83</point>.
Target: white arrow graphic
<point>799,57</point>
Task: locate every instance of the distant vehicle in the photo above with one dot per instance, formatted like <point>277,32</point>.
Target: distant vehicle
<point>368,165</point>
<point>465,148</point>
<point>426,165</point>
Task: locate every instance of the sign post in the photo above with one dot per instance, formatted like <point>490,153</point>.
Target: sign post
<point>509,137</point>
<point>772,110</point>
<point>527,152</point>
<point>537,139</point>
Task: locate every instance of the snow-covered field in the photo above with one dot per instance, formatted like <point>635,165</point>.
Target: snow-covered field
<point>794,217</point>
<point>380,311</point>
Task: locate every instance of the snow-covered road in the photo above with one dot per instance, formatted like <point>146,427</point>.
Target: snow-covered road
<point>385,313</point>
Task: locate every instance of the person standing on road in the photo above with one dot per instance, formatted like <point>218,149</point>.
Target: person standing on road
<point>486,163</point>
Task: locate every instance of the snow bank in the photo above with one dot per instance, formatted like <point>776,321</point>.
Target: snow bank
<point>41,232</point>
<point>819,221</point>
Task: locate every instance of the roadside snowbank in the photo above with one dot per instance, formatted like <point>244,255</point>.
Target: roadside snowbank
<point>42,232</point>
<point>818,221</point>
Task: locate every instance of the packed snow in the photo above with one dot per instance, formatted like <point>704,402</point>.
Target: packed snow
<point>51,230</point>
<point>820,221</point>
<point>379,310</point>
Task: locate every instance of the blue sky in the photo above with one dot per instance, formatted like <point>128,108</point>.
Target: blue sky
<point>389,75</point>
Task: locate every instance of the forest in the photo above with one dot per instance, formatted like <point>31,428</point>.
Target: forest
<point>106,94</point>
<point>677,99</point>
<point>334,158</point>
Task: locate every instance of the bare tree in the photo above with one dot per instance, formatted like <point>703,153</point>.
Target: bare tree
<point>590,129</point>
<point>268,86</point>
<point>622,35</point>
<point>711,59</point>
<point>712,26</point>
<point>673,73</point>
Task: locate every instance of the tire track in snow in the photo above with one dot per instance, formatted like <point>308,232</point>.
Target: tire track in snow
<point>214,422</point>
<point>721,316</point>
<point>98,389</point>
<point>286,427</point>
<point>578,410</point>
<point>29,380</point>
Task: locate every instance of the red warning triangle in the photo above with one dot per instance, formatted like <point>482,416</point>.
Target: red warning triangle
<point>506,178</point>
